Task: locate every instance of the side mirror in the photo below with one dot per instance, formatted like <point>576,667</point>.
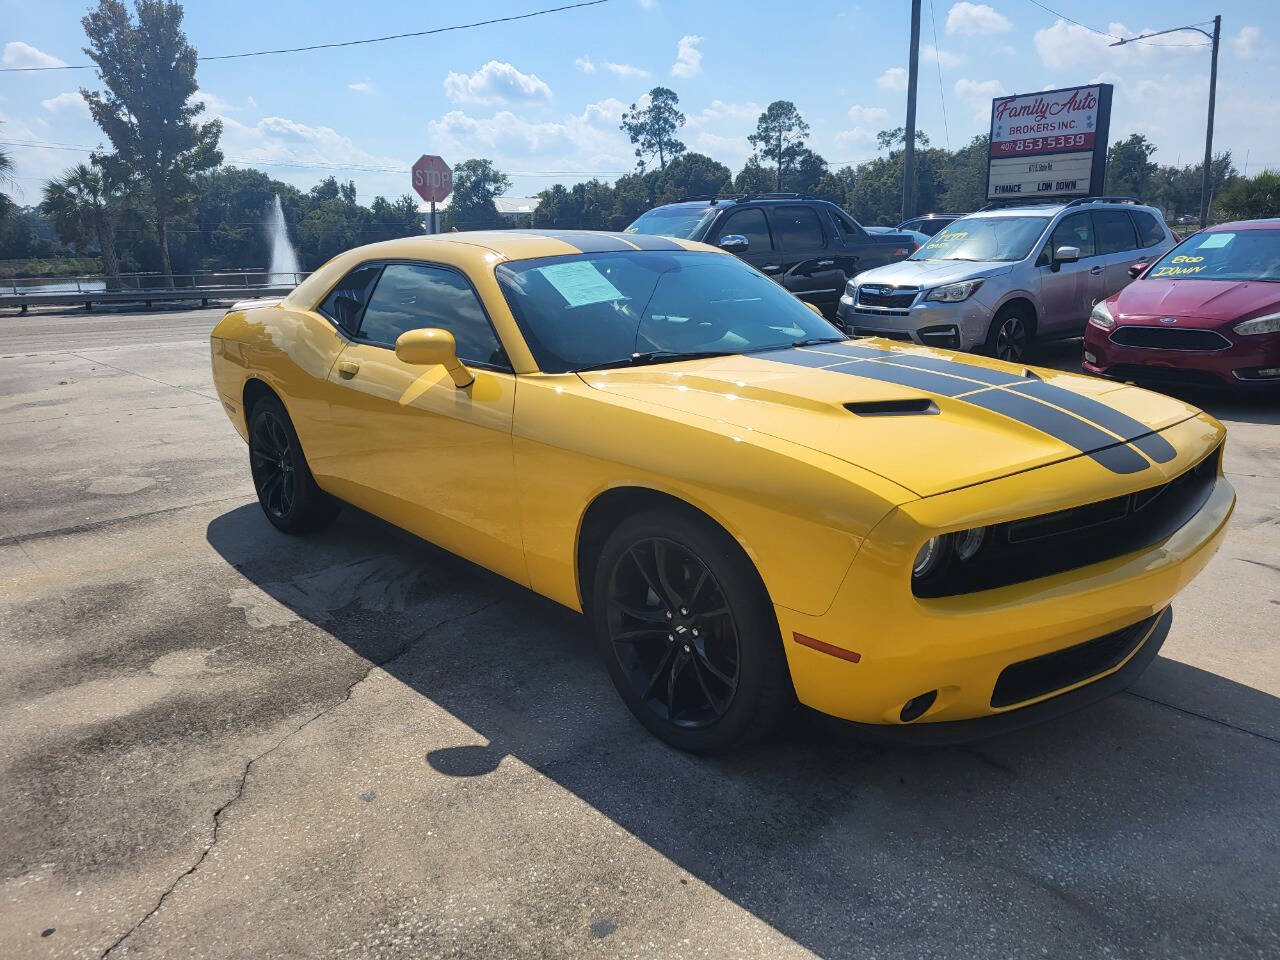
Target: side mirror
<point>1136,270</point>
<point>431,346</point>
<point>1066,254</point>
<point>734,243</point>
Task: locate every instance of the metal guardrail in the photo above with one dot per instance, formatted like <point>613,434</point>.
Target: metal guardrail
<point>146,288</point>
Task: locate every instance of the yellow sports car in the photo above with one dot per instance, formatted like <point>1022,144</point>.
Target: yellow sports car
<point>750,507</point>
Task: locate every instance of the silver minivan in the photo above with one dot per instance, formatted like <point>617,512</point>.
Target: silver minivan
<point>998,278</point>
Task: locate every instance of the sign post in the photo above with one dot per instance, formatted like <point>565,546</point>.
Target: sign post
<point>1049,144</point>
<point>433,181</point>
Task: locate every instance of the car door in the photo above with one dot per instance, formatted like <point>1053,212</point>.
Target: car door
<point>1067,289</point>
<point>750,223</point>
<point>414,448</point>
<point>808,258</point>
<point>1117,250</point>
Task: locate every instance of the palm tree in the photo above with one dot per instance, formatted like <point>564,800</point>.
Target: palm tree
<point>6,166</point>
<point>86,203</point>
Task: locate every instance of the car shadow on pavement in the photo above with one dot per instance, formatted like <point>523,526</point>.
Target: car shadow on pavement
<point>1133,826</point>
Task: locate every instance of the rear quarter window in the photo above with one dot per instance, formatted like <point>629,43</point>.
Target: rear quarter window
<point>1150,232</point>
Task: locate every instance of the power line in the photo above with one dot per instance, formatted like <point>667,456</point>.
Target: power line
<point>937,59</point>
<point>345,43</point>
<point>1112,36</point>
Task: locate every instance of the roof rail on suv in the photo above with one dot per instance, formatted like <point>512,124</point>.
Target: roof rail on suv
<point>744,197</point>
<point>1079,200</point>
<point>1041,201</point>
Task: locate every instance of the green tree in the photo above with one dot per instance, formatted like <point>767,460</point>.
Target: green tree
<point>1251,198</point>
<point>390,219</point>
<point>475,183</point>
<point>7,206</point>
<point>779,137</point>
<point>652,128</point>
<point>688,175</point>
<point>85,204</point>
<point>146,110</point>
<point>897,137</point>
<point>1130,169</point>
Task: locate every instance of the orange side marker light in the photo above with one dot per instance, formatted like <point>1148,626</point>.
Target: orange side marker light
<point>851,655</point>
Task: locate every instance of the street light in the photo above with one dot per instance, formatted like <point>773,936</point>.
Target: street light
<point>1213,90</point>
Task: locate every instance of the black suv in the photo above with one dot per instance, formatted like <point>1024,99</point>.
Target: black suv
<point>810,246</point>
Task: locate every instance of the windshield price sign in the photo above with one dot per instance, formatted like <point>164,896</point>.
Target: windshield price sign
<point>1049,144</point>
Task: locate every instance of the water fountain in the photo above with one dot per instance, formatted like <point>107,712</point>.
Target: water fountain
<point>284,267</point>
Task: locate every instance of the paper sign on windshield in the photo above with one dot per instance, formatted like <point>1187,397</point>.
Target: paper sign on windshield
<point>1215,240</point>
<point>580,283</point>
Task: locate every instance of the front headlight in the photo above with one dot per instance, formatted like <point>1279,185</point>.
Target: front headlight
<point>954,292</point>
<point>1251,328</point>
<point>1101,316</point>
<point>937,552</point>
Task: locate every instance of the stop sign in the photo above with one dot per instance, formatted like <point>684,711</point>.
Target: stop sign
<point>432,178</point>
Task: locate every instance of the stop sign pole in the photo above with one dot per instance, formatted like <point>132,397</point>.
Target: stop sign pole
<point>433,181</point>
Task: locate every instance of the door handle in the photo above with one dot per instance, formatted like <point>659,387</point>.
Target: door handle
<point>348,368</point>
<point>1096,271</point>
<point>771,268</point>
<point>826,263</point>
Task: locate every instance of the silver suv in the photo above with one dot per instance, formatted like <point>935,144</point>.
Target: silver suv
<point>998,278</point>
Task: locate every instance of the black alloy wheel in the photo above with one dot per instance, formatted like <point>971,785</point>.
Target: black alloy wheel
<point>286,490</point>
<point>673,633</point>
<point>1010,334</point>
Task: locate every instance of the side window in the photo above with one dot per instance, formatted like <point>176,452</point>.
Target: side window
<point>851,227</point>
<point>1149,230</point>
<point>347,299</point>
<point>751,224</point>
<point>1115,231</point>
<point>411,295</point>
<point>798,228</point>
<point>1074,231</point>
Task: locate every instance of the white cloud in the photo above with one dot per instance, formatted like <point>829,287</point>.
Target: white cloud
<point>1070,46</point>
<point>19,54</point>
<point>688,57</point>
<point>585,65</point>
<point>624,70</point>
<point>895,78</point>
<point>1106,76</point>
<point>649,4</point>
<point>867,116</point>
<point>496,82</point>
<point>976,19</point>
<point>70,102</point>
<point>214,105</point>
<point>931,54</point>
<point>855,137</point>
<point>361,86</point>
<point>1245,43</point>
<point>978,95</point>
<point>720,110</point>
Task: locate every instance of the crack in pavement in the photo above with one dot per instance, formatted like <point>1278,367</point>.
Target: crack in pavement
<point>407,647</point>
<point>1203,716</point>
<point>20,538</point>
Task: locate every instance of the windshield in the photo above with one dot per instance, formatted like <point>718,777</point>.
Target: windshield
<point>1223,255</point>
<point>984,238</point>
<point>683,222</point>
<point>616,309</point>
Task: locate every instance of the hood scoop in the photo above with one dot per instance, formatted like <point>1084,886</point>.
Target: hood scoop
<point>922,406</point>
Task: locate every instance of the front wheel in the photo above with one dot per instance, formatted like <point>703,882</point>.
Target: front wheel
<point>286,490</point>
<point>688,633</point>
<point>1010,334</point>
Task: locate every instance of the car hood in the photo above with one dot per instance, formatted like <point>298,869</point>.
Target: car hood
<point>932,273</point>
<point>928,420</point>
<point>1221,301</point>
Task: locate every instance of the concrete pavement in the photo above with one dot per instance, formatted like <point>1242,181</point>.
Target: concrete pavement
<point>218,741</point>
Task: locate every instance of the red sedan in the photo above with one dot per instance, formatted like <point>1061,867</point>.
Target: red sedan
<point>1207,313</point>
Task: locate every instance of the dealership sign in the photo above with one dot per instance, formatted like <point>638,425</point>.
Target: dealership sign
<point>1049,144</point>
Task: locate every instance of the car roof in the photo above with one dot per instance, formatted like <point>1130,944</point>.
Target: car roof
<point>1046,208</point>
<point>1267,223</point>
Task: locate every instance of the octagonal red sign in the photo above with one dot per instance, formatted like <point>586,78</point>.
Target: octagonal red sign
<point>432,178</point>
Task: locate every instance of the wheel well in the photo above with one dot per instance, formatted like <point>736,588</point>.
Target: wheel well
<point>608,510</point>
<point>255,390</point>
<point>1026,305</point>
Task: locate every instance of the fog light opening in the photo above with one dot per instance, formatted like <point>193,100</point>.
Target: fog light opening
<point>916,706</point>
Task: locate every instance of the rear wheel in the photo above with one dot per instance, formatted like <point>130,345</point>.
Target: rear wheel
<point>286,490</point>
<point>688,633</point>
<point>1010,334</point>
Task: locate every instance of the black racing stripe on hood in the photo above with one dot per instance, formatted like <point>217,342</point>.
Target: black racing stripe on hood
<point>648,241</point>
<point>1010,399</point>
<point>1138,433</point>
<point>588,242</point>
<point>970,371</point>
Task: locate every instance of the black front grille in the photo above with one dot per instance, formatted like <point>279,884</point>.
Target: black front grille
<point>892,298</point>
<point>1033,678</point>
<point>1040,546</point>
<point>1169,338</point>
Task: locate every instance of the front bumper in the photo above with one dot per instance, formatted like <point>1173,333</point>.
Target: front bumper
<point>956,326</point>
<point>1235,366</point>
<point>959,646</point>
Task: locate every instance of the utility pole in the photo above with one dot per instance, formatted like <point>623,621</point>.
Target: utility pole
<point>1213,95</point>
<point>909,157</point>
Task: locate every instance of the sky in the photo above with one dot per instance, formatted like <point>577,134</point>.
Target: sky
<point>543,97</point>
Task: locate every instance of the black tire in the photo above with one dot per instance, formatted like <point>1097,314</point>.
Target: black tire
<point>715,671</point>
<point>1012,331</point>
<point>286,490</point>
